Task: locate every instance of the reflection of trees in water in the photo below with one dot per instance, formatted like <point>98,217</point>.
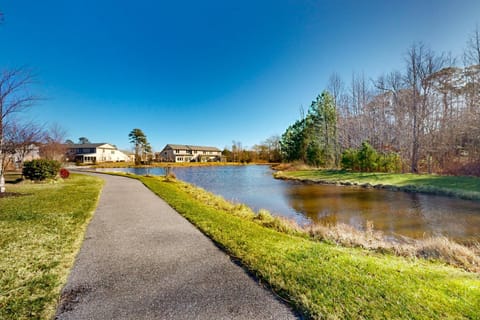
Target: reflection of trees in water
<point>410,214</point>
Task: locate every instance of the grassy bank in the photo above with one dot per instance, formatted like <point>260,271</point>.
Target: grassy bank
<point>461,187</point>
<point>41,231</point>
<point>324,280</point>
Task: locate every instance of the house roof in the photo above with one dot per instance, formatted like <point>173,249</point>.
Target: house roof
<point>190,147</point>
<point>90,145</point>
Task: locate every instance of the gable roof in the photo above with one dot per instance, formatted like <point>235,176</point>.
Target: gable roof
<point>89,145</point>
<point>190,147</point>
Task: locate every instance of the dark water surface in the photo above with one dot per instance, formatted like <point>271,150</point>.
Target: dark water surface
<point>395,213</point>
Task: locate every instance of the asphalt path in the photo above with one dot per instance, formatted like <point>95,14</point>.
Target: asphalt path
<point>141,260</point>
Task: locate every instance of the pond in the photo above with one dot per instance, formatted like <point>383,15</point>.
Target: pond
<point>395,213</point>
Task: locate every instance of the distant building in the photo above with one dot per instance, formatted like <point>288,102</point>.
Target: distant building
<point>95,153</point>
<point>187,153</point>
<point>25,153</point>
<point>129,154</point>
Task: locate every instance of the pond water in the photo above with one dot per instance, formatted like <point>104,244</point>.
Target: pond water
<point>394,213</point>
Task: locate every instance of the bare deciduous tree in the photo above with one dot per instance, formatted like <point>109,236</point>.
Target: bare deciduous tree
<point>54,147</point>
<point>14,98</point>
<point>24,139</point>
<point>422,64</point>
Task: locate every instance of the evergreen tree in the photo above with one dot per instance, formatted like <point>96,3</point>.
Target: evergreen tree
<point>141,145</point>
<point>321,131</point>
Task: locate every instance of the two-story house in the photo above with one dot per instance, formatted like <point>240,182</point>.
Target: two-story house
<point>187,153</point>
<point>95,153</point>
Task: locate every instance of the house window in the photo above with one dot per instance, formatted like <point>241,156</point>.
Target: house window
<point>113,151</point>
<point>177,151</point>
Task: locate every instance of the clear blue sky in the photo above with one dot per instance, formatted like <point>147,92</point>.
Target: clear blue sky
<point>209,72</point>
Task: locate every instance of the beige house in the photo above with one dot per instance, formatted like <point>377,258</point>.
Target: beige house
<point>95,153</point>
<point>187,153</point>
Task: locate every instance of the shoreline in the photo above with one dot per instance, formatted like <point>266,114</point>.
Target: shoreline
<point>109,165</point>
<point>301,265</point>
<point>331,178</point>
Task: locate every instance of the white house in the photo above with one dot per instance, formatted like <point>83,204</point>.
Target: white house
<point>187,153</point>
<point>95,153</point>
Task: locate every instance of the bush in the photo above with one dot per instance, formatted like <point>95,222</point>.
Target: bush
<point>64,173</point>
<point>40,169</point>
<point>367,159</point>
<point>350,160</point>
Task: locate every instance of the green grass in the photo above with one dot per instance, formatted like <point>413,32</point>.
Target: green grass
<point>325,281</point>
<point>461,187</point>
<point>41,232</point>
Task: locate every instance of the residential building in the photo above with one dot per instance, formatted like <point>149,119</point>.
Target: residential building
<point>24,153</point>
<point>95,153</point>
<point>188,153</point>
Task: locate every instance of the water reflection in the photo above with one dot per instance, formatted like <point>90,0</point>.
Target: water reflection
<point>395,213</point>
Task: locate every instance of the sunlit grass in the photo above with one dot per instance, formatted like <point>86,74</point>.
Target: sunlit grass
<point>41,232</point>
<point>324,280</point>
<point>461,187</point>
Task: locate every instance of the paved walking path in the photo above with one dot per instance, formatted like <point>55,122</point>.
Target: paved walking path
<point>142,260</point>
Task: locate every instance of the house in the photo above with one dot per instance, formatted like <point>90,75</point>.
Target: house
<point>187,153</point>
<point>95,153</point>
<point>27,152</point>
<point>130,155</point>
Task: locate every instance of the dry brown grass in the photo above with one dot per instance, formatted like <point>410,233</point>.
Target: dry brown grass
<point>349,236</point>
<point>431,248</point>
<point>441,248</point>
<point>291,166</point>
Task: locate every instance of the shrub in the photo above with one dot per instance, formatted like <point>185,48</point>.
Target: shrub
<point>367,159</point>
<point>350,160</point>
<point>64,173</point>
<point>40,169</point>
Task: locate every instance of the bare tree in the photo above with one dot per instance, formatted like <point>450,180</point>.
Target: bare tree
<point>14,98</point>
<point>472,52</point>
<point>422,63</point>
<point>54,147</point>
<point>472,94</point>
<point>23,140</point>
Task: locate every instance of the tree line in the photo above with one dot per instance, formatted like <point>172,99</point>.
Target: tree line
<point>427,114</point>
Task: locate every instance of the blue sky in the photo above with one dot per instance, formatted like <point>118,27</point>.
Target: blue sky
<point>209,72</point>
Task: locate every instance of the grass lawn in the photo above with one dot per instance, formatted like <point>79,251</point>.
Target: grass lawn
<point>326,281</point>
<point>41,232</point>
<point>462,187</point>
